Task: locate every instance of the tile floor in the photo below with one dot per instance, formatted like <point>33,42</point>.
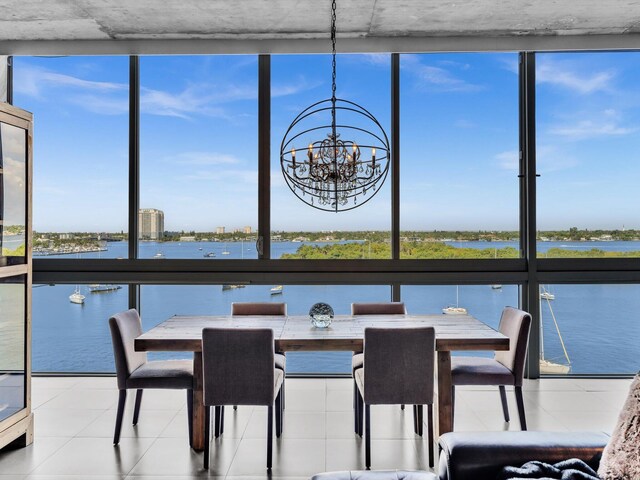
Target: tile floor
<point>74,419</point>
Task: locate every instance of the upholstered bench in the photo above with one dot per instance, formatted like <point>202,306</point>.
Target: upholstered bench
<point>481,455</point>
<point>375,475</point>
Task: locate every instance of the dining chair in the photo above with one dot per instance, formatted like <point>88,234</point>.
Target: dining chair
<point>134,371</point>
<point>505,368</point>
<point>260,309</point>
<point>371,308</point>
<point>398,368</point>
<point>238,369</point>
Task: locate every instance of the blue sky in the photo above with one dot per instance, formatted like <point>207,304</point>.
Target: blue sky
<point>459,139</point>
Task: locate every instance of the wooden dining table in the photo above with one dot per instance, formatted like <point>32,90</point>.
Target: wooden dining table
<point>346,333</point>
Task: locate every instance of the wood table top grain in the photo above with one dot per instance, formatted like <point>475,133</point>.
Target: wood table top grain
<point>346,332</point>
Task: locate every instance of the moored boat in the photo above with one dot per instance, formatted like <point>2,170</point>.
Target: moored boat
<point>276,290</point>
<point>77,296</point>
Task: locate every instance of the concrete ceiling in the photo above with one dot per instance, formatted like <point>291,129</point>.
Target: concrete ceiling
<point>372,21</point>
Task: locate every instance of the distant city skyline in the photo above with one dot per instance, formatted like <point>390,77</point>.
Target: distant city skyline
<point>459,139</point>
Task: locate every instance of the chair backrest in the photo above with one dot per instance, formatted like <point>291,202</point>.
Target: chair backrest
<point>258,308</point>
<point>378,308</point>
<point>238,366</point>
<point>515,324</point>
<point>398,365</point>
<point>125,327</point>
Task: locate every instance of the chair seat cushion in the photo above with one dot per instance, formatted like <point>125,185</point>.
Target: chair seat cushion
<point>176,374</point>
<point>479,371</point>
<point>357,361</point>
<point>280,361</point>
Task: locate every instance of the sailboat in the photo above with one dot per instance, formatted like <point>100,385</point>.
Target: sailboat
<point>496,286</point>
<point>457,310</point>
<point>547,366</point>
<point>77,296</point>
<point>546,294</point>
<point>225,251</point>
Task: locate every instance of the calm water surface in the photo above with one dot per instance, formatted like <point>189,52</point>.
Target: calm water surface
<point>600,324</point>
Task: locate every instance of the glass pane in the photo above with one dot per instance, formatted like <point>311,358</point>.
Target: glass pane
<point>198,155</point>
<point>80,107</point>
<point>484,302</point>
<point>587,140</point>
<point>459,155</point>
<point>160,302</point>
<point>12,345</point>
<point>13,193</point>
<point>71,333</point>
<point>298,229</point>
<point>590,329</point>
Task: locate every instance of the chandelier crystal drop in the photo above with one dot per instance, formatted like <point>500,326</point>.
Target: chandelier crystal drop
<point>340,165</point>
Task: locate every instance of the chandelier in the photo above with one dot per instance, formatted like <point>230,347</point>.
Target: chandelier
<point>342,163</point>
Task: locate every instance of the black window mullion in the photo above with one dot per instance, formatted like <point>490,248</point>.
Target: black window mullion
<point>264,157</point>
<point>134,167</point>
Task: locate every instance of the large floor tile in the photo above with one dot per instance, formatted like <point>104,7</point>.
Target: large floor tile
<point>296,424</point>
<point>172,457</point>
<point>91,456</point>
<point>91,399</point>
<point>291,457</point>
<point>24,460</point>
<point>62,422</point>
<point>151,423</point>
<point>311,400</point>
<point>385,454</point>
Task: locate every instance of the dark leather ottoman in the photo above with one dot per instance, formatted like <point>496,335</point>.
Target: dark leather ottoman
<point>481,455</point>
<point>375,475</point>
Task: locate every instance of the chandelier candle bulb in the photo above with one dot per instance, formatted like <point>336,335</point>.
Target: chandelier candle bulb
<point>310,154</point>
<point>293,157</point>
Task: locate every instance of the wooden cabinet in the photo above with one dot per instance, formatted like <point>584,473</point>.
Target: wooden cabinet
<point>16,419</point>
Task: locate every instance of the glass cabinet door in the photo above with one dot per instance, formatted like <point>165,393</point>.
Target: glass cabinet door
<point>12,345</point>
<point>13,187</point>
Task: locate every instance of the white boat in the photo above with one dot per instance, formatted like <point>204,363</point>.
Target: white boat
<point>496,286</point>
<point>276,290</point>
<point>232,287</point>
<point>225,251</point>
<point>76,296</point>
<point>547,366</point>
<point>546,295</point>
<point>457,310</point>
<point>209,255</point>
<point>159,255</point>
<point>102,287</point>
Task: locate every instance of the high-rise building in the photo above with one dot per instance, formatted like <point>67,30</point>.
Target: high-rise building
<point>150,224</point>
<point>219,230</point>
<point>247,229</point>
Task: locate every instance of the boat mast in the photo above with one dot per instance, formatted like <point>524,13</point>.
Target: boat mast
<point>564,348</point>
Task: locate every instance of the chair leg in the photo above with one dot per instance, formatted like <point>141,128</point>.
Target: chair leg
<point>420,420</point>
<point>136,410</point>
<point>207,434</point>
<point>360,413</point>
<point>402,407</point>
<point>453,405</point>
<point>415,419</point>
<point>503,398</point>
<point>520,402</point>
<point>221,419</point>
<point>282,389</point>
<point>121,401</point>
<point>430,433</point>
<point>190,415</point>
<point>269,436</point>
<point>367,436</point>
<point>356,410</point>
<point>279,414</point>
<point>216,422</point>
<point>235,407</point>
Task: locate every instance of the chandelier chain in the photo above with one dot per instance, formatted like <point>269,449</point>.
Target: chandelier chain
<point>333,50</point>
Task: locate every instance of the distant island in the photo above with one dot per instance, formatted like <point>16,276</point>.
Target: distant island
<point>360,244</point>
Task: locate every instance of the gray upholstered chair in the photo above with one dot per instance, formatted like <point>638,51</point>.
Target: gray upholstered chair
<point>238,369</point>
<point>506,368</point>
<point>134,371</point>
<point>259,309</point>
<point>398,368</point>
<point>372,308</point>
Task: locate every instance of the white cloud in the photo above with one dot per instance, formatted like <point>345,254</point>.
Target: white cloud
<point>436,78</point>
<point>549,158</point>
<point>562,74</point>
<point>591,128</point>
<point>509,160</point>
<point>32,81</point>
<point>300,85</point>
<point>203,158</point>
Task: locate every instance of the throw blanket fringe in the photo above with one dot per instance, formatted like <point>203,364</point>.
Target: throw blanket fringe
<point>572,469</point>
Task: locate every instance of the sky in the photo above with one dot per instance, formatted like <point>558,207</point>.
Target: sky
<point>458,149</point>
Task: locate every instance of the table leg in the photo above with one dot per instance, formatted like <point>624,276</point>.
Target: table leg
<point>445,417</point>
<point>198,404</point>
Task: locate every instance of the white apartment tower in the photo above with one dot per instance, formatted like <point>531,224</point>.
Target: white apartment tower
<point>150,224</point>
